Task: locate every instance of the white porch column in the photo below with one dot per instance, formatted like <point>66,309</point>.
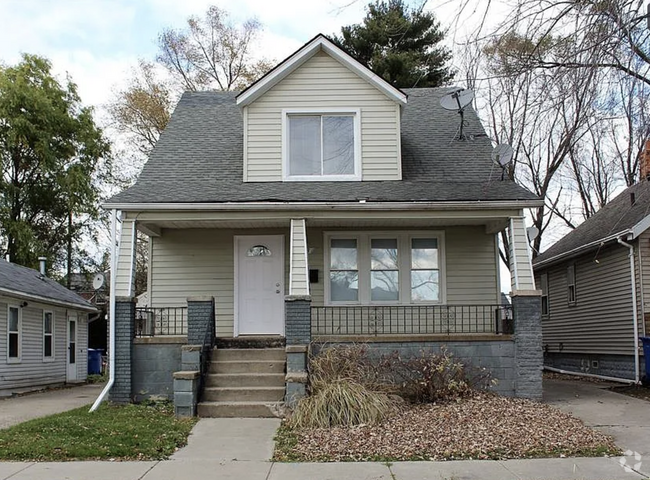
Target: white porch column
<point>298,263</point>
<point>125,274</point>
<point>521,267</point>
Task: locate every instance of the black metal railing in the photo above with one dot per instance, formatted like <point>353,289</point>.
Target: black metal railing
<point>412,320</point>
<point>206,350</point>
<point>154,322</point>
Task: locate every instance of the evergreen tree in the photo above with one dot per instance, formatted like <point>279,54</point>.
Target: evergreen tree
<point>400,44</point>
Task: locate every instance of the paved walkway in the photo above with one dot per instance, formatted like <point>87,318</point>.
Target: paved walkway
<point>19,409</point>
<point>240,449</point>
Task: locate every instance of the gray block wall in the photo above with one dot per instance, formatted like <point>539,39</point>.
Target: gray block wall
<point>124,331</point>
<point>619,366</point>
<point>153,370</point>
<point>297,310</point>
<point>495,355</point>
<point>529,358</point>
<point>200,312</point>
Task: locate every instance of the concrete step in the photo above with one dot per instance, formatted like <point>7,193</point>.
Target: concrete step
<point>247,366</point>
<point>244,380</point>
<point>238,409</point>
<point>243,394</point>
<point>234,354</point>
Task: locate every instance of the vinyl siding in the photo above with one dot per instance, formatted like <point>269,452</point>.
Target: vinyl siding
<point>601,319</point>
<point>201,262</point>
<point>320,83</point>
<point>32,370</point>
<point>298,264</point>
<point>124,278</point>
<point>521,274</point>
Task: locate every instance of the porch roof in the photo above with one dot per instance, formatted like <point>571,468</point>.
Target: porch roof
<point>199,159</point>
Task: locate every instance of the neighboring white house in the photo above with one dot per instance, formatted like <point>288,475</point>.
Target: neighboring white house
<point>44,330</point>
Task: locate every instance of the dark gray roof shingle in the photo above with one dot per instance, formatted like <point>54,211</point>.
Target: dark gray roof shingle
<point>199,158</point>
<point>618,216</point>
<point>25,280</point>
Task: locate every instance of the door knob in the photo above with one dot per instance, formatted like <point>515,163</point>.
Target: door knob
<point>277,284</point>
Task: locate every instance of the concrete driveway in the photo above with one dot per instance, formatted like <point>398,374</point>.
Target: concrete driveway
<point>34,405</point>
<point>625,418</point>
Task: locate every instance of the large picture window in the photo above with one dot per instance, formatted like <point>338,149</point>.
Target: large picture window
<point>404,268</point>
<point>322,145</point>
<point>48,336</point>
<point>14,334</point>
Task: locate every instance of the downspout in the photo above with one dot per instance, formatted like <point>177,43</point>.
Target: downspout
<point>111,320</point>
<point>634,307</point>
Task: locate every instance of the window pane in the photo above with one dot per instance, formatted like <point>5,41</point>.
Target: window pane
<point>258,251</point>
<point>343,254</point>
<point>13,345</point>
<point>424,285</point>
<point>424,253</point>
<point>304,145</point>
<point>344,286</point>
<point>13,319</point>
<point>73,332</point>
<point>47,346</point>
<point>338,145</point>
<point>383,253</point>
<point>384,285</point>
<point>47,323</point>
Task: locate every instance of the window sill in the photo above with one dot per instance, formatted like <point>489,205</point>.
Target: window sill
<point>322,178</point>
<point>14,360</point>
<point>49,360</point>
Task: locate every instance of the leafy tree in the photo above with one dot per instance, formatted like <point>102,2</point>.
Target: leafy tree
<point>401,45</point>
<point>50,155</point>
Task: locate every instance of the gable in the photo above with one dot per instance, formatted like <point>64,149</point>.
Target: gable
<point>321,83</point>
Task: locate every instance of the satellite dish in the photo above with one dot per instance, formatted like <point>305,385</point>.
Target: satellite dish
<point>531,233</point>
<point>457,100</point>
<point>98,281</point>
<point>502,154</point>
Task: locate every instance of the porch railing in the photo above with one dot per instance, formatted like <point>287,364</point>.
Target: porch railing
<point>411,320</point>
<point>154,322</point>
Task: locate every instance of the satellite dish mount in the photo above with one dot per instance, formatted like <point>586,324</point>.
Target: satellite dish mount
<point>457,101</point>
<point>502,156</point>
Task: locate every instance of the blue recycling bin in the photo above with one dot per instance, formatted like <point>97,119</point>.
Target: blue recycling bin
<point>646,355</point>
<point>94,361</point>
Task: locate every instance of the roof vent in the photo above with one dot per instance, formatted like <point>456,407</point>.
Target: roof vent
<point>41,261</point>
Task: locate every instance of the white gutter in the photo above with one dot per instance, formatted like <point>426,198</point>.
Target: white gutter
<point>580,249</point>
<point>111,320</point>
<point>51,301</point>
<point>634,307</point>
<point>343,206</point>
<point>590,375</point>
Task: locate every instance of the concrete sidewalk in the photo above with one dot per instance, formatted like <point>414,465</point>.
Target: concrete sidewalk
<point>19,409</point>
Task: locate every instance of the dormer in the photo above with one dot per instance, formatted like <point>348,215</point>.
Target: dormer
<point>321,116</point>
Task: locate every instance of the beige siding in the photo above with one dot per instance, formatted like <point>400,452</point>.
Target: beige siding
<point>125,277</point>
<point>320,83</point>
<point>201,262</point>
<point>298,259</point>
<point>601,319</point>
<point>521,273</point>
<point>32,369</point>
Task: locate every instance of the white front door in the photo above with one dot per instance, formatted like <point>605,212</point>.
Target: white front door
<point>259,285</point>
<point>71,372</point>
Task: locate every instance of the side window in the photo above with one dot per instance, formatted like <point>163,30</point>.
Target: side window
<point>571,284</point>
<point>14,333</point>
<point>48,336</point>
<point>543,286</point>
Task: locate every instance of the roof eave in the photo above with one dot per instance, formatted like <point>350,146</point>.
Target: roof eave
<point>39,298</point>
<point>307,51</point>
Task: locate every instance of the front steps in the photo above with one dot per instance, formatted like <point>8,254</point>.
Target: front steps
<point>244,382</point>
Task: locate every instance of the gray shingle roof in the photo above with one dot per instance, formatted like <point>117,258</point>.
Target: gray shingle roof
<point>199,158</point>
<point>618,216</point>
<point>25,280</point>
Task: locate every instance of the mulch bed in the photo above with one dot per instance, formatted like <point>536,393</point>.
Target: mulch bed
<point>485,426</point>
<point>637,391</point>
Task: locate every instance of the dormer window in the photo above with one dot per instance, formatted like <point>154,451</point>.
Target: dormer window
<point>322,145</point>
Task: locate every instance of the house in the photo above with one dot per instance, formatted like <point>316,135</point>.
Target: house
<point>44,326</point>
<point>323,204</point>
<point>595,285</point>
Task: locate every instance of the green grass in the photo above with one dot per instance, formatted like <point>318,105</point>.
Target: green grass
<point>129,432</point>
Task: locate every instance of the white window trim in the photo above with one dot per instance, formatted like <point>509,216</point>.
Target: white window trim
<point>571,268</point>
<point>543,286</point>
<point>20,335</point>
<point>51,358</point>
<point>356,115</point>
<point>404,260</point>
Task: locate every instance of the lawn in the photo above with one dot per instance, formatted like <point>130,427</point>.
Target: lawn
<point>484,426</point>
<point>129,432</point>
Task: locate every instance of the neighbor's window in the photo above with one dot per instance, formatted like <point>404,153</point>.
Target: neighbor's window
<point>344,270</point>
<point>48,336</point>
<point>384,269</point>
<point>322,146</point>
<point>571,284</point>
<point>13,334</point>
<point>543,286</point>
<point>425,278</point>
